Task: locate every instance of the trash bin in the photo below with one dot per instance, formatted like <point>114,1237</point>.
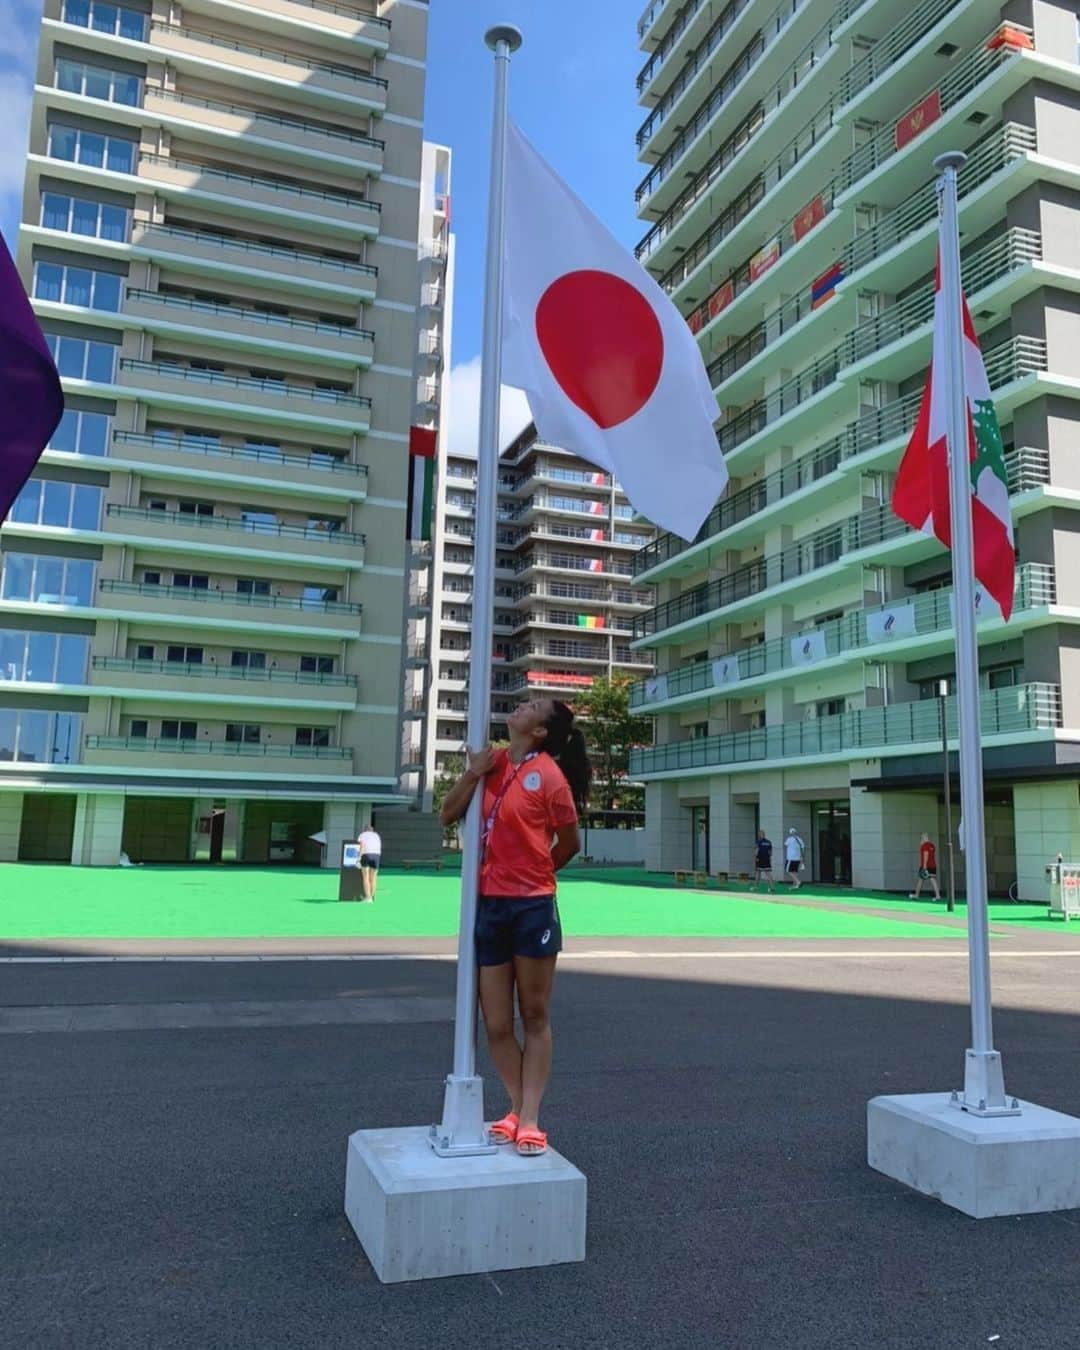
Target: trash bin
<point>350,883</point>
<point>1064,879</point>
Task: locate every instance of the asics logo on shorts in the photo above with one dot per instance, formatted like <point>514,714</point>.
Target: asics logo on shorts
<point>546,938</point>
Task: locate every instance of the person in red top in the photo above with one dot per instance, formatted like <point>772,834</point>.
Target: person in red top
<point>927,869</point>
<point>532,793</point>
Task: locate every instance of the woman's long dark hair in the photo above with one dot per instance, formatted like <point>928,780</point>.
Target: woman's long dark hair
<point>565,744</point>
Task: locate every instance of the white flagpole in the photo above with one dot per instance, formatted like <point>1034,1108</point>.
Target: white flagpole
<point>462,1127</point>
<point>984,1085</point>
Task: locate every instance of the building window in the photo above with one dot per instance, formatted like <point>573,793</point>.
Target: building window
<point>152,578</point>
<point>79,359</point>
<point>196,508</point>
<point>317,665</point>
<point>320,595</point>
<point>139,728</point>
<point>43,658</point>
<point>249,660</point>
<point>65,505</point>
<point>113,86</point>
<point>105,18</point>
<point>243,733</point>
<point>81,433</point>
<point>78,286</point>
<point>47,580</point>
<point>830,707</point>
<point>173,730</point>
<point>78,215</point>
<point>252,586</point>
<point>78,146</point>
<point>40,737</point>
<point>192,581</point>
<point>144,651</point>
<point>312,736</point>
<point>188,656</point>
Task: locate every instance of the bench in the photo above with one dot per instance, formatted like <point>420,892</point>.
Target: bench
<point>410,863</point>
<point>681,878</point>
<point>722,877</point>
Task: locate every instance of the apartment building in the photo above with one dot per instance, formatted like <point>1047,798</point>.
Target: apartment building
<point>565,599</point>
<point>202,585</point>
<point>804,639</point>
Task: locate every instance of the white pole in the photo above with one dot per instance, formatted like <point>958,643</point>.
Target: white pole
<point>462,1128</point>
<point>984,1086</point>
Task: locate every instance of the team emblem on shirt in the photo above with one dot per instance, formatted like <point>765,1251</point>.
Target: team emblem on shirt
<point>532,782</point>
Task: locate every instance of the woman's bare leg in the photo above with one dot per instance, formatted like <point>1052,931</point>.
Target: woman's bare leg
<point>534,977</point>
<point>497,1005</point>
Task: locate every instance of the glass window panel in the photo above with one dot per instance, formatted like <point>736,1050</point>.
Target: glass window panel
<point>84,217</point>
<point>79,583</point>
<point>56,504</point>
<point>132,25</point>
<point>54,211</point>
<point>126,90</point>
<point>100,362</point>
<point>48,281</point>
<point>18,576</point>
<point>71,357</point>
<point>93,433</point>
<point>41,657</point>
<point>113,222</point>
<point>69,76</point>
<point>77,11</point>
<point>98,82</point>
<point>33,737</point>
<point>49,581</point>
<point>7,734</point>
<point>73,650</point>
<point>91,149</point>
<point>86,507</point>
<point>66,435</point>
<point>26,508</point>
<point>67,738</point>
<point>62,142</point>
<point>106,291</point>
<point>12,654</point>
<point>104,18</point>
<point>120,155</point>
<point>77,285</point>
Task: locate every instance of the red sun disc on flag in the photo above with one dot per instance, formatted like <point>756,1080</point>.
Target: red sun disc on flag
<point>602,342</point>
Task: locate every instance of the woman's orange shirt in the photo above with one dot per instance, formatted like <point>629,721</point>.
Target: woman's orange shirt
<point>535,806</point>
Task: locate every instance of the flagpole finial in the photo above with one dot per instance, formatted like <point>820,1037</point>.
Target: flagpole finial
<point>951,159</point>
<point>504,32</point>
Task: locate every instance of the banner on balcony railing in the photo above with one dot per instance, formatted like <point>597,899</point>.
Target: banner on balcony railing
<point>823,288</point>
<point>808,648</point>
<point>813,213</point>
<point>553,677</point>
<point>596,564</point>
<point>726,671</point>
<point>421,492</point>
<point>590,620</point>
<point>765,258</point>
<point>596,508</point>
<point>656,689</point>
<point>596,535</point>
<point>695,320</point>
<point>721,298</point>
<point>915,121</point>
<point>986,607</point>
<point>896,621</point>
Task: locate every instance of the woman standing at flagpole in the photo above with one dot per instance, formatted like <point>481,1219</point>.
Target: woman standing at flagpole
<point>532,793</point>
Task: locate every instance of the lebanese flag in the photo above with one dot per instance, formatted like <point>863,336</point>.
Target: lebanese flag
<point>608,365</point>
<point>921,493</point>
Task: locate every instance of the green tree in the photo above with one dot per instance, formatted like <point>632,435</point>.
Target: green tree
<point>452,769</point>
<point>612,730</point>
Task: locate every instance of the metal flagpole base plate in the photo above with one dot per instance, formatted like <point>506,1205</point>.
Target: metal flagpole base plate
<point>462,1131</point>
<point>445,1147</point>
<point>984,1087</point>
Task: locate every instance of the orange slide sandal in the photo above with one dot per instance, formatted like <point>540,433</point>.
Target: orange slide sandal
<point>504,1131</point>
<point>531,1143</point>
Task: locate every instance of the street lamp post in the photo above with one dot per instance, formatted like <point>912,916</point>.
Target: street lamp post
<point>943,694</point>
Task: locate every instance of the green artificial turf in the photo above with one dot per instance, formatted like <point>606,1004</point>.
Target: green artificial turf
<point>40,901</point>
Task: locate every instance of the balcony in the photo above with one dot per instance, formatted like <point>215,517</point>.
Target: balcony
<point>169,384</point>
<point>931,616</point>
<point>262,196</point>
<point>683,20</point>
<point>225,609</point>
<point>268,263</point>
<point>290,138</point>
<point>272,468</point>
<point>249,64</point>
<point>866,733</point>
<point>230,683</point>
<point>176,528</point>
<point>916,22</point>
<point>113,749</point>
<point>353,25</point>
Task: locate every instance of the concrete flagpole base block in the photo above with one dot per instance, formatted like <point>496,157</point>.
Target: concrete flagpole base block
<point>419,1216</point>
<point>985,1166</point>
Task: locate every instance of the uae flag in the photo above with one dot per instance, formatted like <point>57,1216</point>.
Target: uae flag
<point>921,493</point>
<point>421,481</point>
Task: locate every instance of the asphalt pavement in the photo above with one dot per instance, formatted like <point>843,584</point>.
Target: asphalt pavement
<point>174,1137</point>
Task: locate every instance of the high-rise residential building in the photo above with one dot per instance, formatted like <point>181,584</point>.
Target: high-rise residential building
<point>565,600</point>
<point>203,583</point>
<point>804,637</point>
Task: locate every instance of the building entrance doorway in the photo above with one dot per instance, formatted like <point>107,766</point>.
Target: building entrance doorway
<point>831,826</point>
<point>699,838</point>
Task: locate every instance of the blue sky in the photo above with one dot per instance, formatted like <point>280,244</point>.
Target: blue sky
<point>572,91</point>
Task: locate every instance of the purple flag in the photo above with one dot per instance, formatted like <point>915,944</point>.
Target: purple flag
<point>31,400</point>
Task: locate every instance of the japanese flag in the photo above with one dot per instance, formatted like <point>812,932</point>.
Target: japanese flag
<point>610,369</point>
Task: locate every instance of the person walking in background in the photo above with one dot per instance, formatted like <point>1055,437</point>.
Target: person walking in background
<point>370,856</point>
<point>532,793</point>
<point>927,870</point>
<point>794,848</point>
<point>763,860</point>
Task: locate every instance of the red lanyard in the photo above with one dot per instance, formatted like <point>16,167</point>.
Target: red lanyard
<point>489,823</point>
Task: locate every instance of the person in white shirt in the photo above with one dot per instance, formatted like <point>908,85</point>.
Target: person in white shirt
<point>370,854</point>
<point>794,848</point>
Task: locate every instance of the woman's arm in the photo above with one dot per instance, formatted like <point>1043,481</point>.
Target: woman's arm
<point>567,845</point>
<point>460,795</point>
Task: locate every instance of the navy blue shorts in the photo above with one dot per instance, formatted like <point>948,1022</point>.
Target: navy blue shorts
<point>370,860</point>
<point>509,926</point>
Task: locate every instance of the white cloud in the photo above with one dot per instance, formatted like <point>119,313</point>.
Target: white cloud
<point>464,426</point>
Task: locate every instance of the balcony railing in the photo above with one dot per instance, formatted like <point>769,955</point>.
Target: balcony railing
<point>293,255</point>
<point>916,22</point>
<point>261,454</point>
<point>362,12</point>
<point>207,671</point>
<point>174,371</point>
<point>1003,712</point>
<point>670,38</point>
<point>349,200</point>
<point>162,745</point>
<point>298,124</point>
<point>932,613</point>
<point>187,521</point>
<point>217,310</point>
<point>231,598</point>
<point>270,54</point>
